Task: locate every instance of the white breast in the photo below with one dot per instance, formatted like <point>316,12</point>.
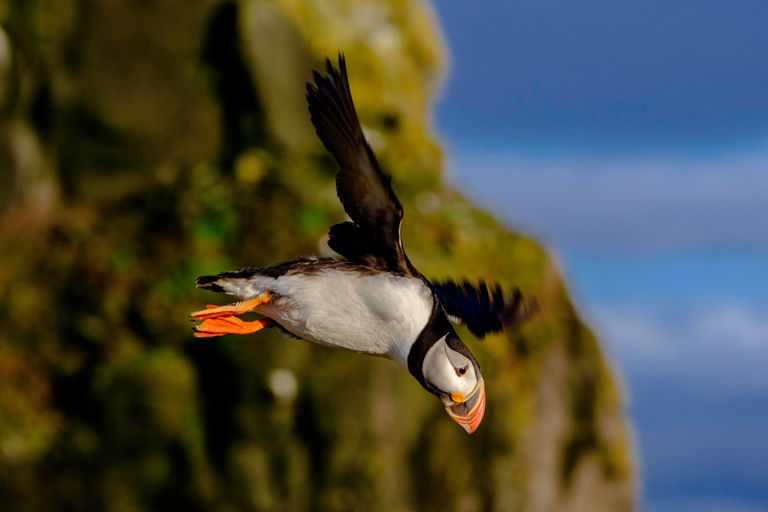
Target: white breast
<point>379,314</point>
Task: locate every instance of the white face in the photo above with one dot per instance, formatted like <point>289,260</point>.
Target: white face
<point>449,372</point>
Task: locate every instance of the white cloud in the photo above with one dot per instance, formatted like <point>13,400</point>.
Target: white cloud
<point>626,202</point>
<point>633,335</point>
<point>735,325</point>
<point>720,348</point>
<point>697,504</point>
<point>698,387</point>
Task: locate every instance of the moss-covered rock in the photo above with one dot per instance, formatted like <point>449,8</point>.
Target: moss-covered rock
<point>145,143</point>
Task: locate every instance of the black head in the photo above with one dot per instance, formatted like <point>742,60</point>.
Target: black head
<point>443,364</point>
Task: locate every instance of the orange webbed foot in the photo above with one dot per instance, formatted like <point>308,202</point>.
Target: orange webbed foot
<point>238,308</point>
<point>230,325</point>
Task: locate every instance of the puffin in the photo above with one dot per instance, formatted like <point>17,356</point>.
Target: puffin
<point>373,301</point>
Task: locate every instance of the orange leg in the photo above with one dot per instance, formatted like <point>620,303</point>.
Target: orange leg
<point>238,308</point>
<point>230,325</point>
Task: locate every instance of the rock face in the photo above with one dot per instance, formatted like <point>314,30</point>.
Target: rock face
<point>143,143</point>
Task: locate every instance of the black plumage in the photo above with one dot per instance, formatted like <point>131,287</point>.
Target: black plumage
<point>482,310</point>
<point>373,236</point>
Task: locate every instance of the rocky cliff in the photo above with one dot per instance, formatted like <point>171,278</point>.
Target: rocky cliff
<point>144,143</point>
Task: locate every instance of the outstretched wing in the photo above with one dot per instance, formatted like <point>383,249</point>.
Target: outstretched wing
<point>373,236</point>
<point>483,310</point>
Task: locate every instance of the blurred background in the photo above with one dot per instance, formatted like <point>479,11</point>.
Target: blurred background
<point>632,139</point>
<point>144,143</point>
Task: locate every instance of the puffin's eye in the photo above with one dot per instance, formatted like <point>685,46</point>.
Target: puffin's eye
<point>461,371</point>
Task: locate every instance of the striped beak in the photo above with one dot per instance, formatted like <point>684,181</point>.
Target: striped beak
<point>469,413</point>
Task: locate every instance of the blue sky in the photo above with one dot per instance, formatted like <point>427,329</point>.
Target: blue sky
<point>632,138</point>
<point>607,74</point>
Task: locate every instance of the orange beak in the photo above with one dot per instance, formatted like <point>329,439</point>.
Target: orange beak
<point>469,413</point>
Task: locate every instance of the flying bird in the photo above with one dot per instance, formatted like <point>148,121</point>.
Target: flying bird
<point>374,301</point>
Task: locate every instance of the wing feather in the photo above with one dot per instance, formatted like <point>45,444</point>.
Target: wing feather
<point>481,309</point>
<point>363,189</point>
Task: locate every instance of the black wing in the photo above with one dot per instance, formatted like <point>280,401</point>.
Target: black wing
<point>373,236</point>
<point>483,310</point>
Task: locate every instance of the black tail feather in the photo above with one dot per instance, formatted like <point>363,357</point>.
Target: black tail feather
<point>209,283</point>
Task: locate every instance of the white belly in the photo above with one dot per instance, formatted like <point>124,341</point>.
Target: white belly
<point>377,314</point>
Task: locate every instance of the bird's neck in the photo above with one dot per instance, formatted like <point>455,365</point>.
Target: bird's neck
<point>437,327</point>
